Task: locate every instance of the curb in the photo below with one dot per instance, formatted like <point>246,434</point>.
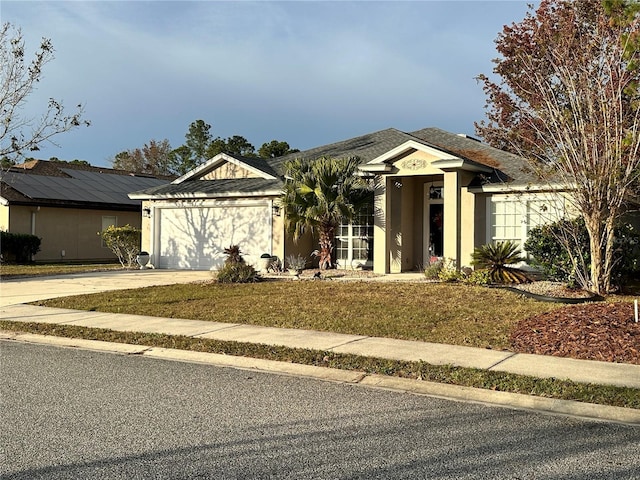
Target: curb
<point>450,392</point>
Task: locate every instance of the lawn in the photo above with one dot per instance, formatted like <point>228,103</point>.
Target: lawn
<point>37,270</point>
<point>434,312</point>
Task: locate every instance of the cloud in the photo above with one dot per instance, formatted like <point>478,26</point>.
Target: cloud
<point>304,72</point>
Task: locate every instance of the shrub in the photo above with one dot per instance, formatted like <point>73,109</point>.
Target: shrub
<point>124,242</point>
<point>432,271</point>
<point>238,272</point>
<point>497,259</point>
<point>234,255</point>
<point>235,270</point>
<point>449,272</point>
<point>296,262</point>
<point>19,247</point>
<point>478,277</point>
<point>557,248</point>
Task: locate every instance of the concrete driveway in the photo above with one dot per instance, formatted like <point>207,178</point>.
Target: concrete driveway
<point>23,290</point>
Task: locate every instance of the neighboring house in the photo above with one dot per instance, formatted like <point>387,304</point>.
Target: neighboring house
<point>66,205</point>
<point>437,194</point>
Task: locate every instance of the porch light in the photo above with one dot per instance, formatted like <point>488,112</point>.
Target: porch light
<point>146,212</point>
<point>276,210</point>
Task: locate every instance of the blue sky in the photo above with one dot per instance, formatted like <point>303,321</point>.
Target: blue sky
<point>309,73</point>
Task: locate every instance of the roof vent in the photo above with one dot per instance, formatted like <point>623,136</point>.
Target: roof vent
<point>464,135</point>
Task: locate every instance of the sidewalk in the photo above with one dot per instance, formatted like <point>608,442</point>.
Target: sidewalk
<point>584,371</point>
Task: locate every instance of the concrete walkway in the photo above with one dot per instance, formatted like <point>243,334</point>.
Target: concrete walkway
<point>15,293</point>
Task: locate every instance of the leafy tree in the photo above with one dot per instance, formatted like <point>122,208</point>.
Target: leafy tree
<point>200,147</point>
<point>561,251</point>
<point>236,145</point>
<point>6,163</point>
<point>321,194</point>
<point>275,149</point>
<point>71,162</point>
<point>18,79</point>
<point>181,160</point>
<point>124,242</point>
<point>197,141</point>
<point>568,101</point>
<point>153,158</point>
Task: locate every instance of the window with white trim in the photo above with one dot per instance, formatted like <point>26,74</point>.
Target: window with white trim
<point>511,217</point>
<point>354,241</point>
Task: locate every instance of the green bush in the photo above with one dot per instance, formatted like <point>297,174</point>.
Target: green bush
<point>19,247</point>
<point>551,246</point>
<point>449,272</point>
<point>124,242</point>
<point>498,258</point>
<point>235,270</point>
<point>237,273</point>
<point>478,277</point>
<point>432,271</point>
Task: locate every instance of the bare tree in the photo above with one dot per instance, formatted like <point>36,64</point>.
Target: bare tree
<point>18,79</point>
<point>568,101</point>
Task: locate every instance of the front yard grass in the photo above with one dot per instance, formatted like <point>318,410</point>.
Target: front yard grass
<point>37,270</point>
<point>442,313</point>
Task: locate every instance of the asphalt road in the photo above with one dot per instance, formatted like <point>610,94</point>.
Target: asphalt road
<point>75,414</point>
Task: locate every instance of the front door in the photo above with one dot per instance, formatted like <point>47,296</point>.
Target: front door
<point>433,232</point>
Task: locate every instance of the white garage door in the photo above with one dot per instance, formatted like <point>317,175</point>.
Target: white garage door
<point>195,237</point>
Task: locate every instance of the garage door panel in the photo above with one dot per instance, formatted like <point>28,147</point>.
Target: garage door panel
<point>195,238</point>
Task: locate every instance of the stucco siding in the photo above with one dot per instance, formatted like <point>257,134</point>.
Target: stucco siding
<point>416,163</point>
<point>4,217</point>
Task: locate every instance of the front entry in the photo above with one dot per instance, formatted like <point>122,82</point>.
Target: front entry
<point>433,232</point>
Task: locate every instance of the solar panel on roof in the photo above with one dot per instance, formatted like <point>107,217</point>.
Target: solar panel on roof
<point>85,186</point>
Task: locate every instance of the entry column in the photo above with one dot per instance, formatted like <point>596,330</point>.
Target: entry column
<point>451,215</point>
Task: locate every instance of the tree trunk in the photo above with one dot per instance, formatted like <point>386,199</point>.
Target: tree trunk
<point>601,243</point>
<point>327,234</point>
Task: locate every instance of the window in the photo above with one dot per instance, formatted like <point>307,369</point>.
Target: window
<point>512,217</point>
<point>355,241</point>
<point>506,223</point>
<point>108,221</point>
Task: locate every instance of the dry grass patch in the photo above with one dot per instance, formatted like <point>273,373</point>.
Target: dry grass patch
<point>442,313</point>
<point>37,270</point>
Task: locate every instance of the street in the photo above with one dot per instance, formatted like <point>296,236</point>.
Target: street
<point>70,414</point>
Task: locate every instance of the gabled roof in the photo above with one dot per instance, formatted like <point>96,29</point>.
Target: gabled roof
<point>61,184</point>
<point>506,166</point>
<point>456,151</point>
<point>258,166</point>
<point>365,147</point>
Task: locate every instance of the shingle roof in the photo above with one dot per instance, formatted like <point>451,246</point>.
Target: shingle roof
<point>257,163</point>
<point>366,147</point>
<point>507,167</point>
<point>213,188</point>
<point>51,183</point>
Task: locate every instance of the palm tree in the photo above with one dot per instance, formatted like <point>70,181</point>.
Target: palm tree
<point>321,194</point>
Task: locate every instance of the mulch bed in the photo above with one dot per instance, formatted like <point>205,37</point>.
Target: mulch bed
<point>594,331</point>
